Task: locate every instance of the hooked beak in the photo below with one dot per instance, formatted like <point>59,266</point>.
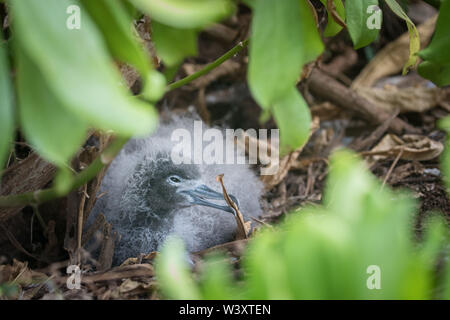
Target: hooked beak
<point>200,194</point>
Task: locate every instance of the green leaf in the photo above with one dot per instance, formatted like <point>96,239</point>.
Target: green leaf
<point>283,38</point>
<point>116,24</point>
<point>216,281</point>
<point>173,45</point>
<point>361,21</point>
<point>186,14</point>
<point>155,86</point>
<point>436,66</point>
<point>77,67</point>
<point>52,130</point>
<point>121,38</point>
<point>173,273</point>
<point>438,49</point>
<point>6,105</point>
<point>294,120</point>
<point>414,39</point>
<point>439,74</point>
<point>446,294</point>
<point>266,269</point>
<point>444,124</point>
<point>333,28</point>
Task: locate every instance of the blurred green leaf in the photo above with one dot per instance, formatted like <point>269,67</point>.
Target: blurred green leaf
<point>63,180</point>
<point>186,14</point>
<point>116,24</point>
<point>446,294</point>
<point>173,273</point>
<point>444,124</point>
<point>439,74</point>
<point>293,118</point>
<point>155,86</point>
<point>283,38</point>
<point>216,282</point>
<point>84,81</point>
<point>54,131</point>
<point>414,40</point>
<point>9,289</point>
<point>6,105</point>
<point>173,45</point>
<point>436,66</point>
<point>266,276</point>
<point>333,28</point>
<point>118,31</point>
<point>358,20</point>
<point>438,49</point>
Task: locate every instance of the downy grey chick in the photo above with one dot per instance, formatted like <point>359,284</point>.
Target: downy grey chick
<point>148,197</point>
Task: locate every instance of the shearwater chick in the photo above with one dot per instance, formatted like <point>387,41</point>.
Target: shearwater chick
<point>148,197</point>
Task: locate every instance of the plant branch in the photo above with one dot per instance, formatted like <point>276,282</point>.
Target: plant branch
<point>209,67</point>
<point>40,196</point>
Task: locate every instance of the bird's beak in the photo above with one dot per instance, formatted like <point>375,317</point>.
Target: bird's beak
<point>201,193</point>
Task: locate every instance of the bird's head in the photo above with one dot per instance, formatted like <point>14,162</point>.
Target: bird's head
<point>158,187</point>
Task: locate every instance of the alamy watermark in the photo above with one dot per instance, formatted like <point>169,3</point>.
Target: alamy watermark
<point>209,146</point>
<point>74,280</point>
<point>375,18</point>
<point>374,280</point>
<point>73,21</point>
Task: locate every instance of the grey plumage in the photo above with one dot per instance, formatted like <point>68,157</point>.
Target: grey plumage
<point>144,203</point>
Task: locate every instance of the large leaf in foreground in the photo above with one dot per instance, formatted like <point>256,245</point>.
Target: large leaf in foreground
<point>414,39</point>
<point>173,45</point>
<point>78,68</point>
<point>283,38</point>
<point>6,105</point>
<point>116,25</point>
<point>186,14</point>
<point>173,272</point>
<point>52,130</point>
<point>358,21</point>
<point>436,66</point>
<point>293,118</point>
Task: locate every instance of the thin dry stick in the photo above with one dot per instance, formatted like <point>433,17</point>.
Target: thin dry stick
<point>242,229</point>
<point>392,168</point>
<point>80,221</point>
<point>261,222</point>
<point>332,10</point>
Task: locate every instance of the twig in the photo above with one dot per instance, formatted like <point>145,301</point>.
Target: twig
<point>80,221</point>
<point>392,168</point>
<point>242,229</point>
<point>332,10</point>
<point>261,222</point>
<point>327,88</point>
<point>361,144</point>
<point>209,67</point>
<point>16,243</point>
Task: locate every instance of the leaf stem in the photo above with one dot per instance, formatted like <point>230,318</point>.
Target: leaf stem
<point>40,196</point>
<point>241,45</point>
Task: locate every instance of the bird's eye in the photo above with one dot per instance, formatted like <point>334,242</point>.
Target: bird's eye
<point>174,179</point>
